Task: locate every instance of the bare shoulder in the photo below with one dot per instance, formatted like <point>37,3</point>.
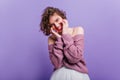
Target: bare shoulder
<point>78,30</point>
<point>50,40</point>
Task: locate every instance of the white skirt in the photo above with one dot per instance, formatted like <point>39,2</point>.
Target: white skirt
<point>68,74</point>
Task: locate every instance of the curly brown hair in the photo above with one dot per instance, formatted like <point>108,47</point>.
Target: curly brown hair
<point>49,11</point>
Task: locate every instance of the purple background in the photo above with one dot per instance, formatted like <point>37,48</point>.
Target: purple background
<point>24,50</point>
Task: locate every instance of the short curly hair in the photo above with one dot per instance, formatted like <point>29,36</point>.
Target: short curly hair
<point>49,11</point>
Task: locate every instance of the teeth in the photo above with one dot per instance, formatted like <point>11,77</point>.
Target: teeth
<point>59,27</point>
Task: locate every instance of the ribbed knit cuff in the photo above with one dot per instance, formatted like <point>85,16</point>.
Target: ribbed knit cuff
<point>59,43</point>
<point>67,40</point>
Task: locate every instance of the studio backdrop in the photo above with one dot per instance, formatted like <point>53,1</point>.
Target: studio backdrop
<point>24,50</point>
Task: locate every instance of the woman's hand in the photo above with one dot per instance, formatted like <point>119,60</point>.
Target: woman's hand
<point>55,32</point>
<point>65,27</point>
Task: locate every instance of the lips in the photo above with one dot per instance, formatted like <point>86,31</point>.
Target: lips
<point>59,28</point>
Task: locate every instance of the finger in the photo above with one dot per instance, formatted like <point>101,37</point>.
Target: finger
<point>53,28</point>
<point>53,31</point>
<point>66,22</point>
<point>63,23</point>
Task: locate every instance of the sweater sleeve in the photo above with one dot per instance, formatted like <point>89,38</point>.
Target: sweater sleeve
<point>73,47</point>
<point>56,53</point>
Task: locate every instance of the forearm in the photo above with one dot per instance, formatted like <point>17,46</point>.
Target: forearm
<point>73,49</point>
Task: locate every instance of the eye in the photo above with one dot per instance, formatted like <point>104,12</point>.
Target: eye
<point>57,19</point>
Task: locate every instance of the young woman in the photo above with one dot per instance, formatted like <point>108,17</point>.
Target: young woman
<point>65,44</point>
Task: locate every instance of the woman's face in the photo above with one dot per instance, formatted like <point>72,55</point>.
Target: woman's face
<point>55,22</point>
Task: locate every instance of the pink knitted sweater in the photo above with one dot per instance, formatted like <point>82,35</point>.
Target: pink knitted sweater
<point>68,51</point>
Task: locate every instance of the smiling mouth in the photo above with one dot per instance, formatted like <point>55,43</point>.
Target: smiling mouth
<point>59,28</point>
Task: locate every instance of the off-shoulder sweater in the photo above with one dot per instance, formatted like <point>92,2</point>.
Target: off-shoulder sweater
<point>68,51</point>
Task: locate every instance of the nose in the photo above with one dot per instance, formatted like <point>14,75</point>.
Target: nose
<point>56,24</point>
